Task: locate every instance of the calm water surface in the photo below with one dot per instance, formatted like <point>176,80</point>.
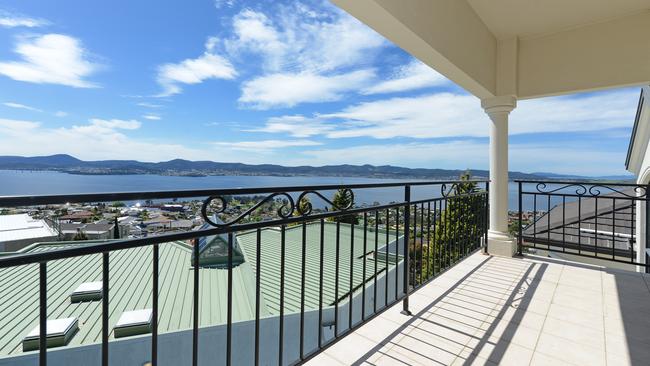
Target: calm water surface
<point>43,182</point>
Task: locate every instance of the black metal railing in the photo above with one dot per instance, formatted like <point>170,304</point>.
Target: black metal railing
<point>588,219</point>
<point>404,244</point>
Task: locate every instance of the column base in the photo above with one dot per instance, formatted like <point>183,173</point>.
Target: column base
<point>501,244</point>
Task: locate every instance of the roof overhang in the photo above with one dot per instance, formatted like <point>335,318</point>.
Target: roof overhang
<point>527,49</point>
<point>638,148</point>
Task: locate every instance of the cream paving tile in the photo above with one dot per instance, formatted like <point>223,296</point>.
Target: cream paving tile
<point>426,349</point>
<point>501,353</point>
<point>381,330</point>
<point>323,359</point>
<point>574,332</point>
<point>520,316</point>
<point>351,348</point>
<point>502,331</point>
<point>577,316</point>
<point>591,304</point>
<point>571,352</point>
<point>473,360</point>
<point>540,359</point>
<point>631,349</point>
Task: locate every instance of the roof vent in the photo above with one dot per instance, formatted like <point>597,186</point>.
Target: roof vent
<point>59,333</point>
<point>133,322</point>
<point>88,291</point>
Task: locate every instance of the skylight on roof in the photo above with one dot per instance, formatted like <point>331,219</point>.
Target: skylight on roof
<point>88,291</point>
<point>59,333</point>
<point>133,322</point>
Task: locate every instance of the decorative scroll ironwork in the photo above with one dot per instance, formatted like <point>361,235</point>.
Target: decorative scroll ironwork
<point>447,191</point>
<point>593,190</point>
<point>456,188</point>
<point>218,205</point>
<point>307,209</point>
<point>285,211</point>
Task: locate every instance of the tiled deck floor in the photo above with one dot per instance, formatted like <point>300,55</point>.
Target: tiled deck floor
<point>502,311</point>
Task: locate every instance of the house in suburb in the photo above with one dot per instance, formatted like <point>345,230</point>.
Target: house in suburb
<point>131,282</point>
<point>20,230</point>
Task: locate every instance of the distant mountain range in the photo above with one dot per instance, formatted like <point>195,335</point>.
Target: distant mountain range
<point>69,164</point>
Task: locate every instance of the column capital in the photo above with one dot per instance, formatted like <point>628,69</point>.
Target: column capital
<point>500,104</point>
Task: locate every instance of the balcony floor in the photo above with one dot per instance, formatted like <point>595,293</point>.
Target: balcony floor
<point>510,311</point>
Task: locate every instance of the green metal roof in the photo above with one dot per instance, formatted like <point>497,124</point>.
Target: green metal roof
<point>131,281</point>
<point>270,263</point>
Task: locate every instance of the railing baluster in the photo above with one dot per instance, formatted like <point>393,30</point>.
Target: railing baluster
<point>429,271</point>
<point>386,259</point>
<point>258,275</point>
<point>42,339</point>
<point>563,223</point>
<point>302,289</point>
<point>614,227</point>
<point>407,218</point>
<point>350,297</point>
<point>596,227</point>
<point>548,222</point>
<point>396,250</point>
<point>486,215</point>
<point>579,225</point>
<point>336,280</point>
<point>365,251</point>
<point>154,311</point>
<point>320,307</point>
<point>436,254</point>
<point>195,310</point>
<point>105,311</point>
<point>422,274</point>
<point>376,252</point>
<point>417,277</point>
<point>229,308</point>
<point>320,283</point>
<point>520,238</point>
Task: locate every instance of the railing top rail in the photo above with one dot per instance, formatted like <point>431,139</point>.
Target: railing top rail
<point>598,183</point>
<point>25,200</point>
<point>114,245</point>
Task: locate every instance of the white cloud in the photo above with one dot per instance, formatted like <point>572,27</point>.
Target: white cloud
<point>323,50</point>
<point>96,140</point>
<point>412,76</point>
<point>452,115</point>
<point>193,71</point>
<point>10,20</point>
<point>296,126</point>
<point>462,154</point>
<point>21,106</point>
<point>51,59</point>
<point>224,3</point>
<point>149,105</point>
<point>264,145</point>
<point>288,90</point>
<point>151,117</point>
<point>60,114</point>
<point>115,124</point>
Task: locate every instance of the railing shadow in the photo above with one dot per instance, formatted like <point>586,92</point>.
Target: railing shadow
<point>417,316</point>
<point>627,316</point>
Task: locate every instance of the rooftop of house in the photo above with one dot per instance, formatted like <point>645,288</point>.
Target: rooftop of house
<point>23,226</point>
<point>131,282</point>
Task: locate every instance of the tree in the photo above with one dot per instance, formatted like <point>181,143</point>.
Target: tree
<point>343,199</point>
<point>80,235</point>
<point>459,226</point>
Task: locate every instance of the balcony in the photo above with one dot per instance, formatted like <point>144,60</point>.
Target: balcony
<point>340,284</point>
<point>510,311</point>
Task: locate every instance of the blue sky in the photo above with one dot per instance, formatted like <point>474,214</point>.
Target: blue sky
<point>285,82</point>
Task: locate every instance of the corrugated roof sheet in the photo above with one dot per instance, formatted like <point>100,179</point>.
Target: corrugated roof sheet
<point>130,288</point>
<point>131,280</point>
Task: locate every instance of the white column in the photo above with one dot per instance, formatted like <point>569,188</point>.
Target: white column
<point>498,109</point>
